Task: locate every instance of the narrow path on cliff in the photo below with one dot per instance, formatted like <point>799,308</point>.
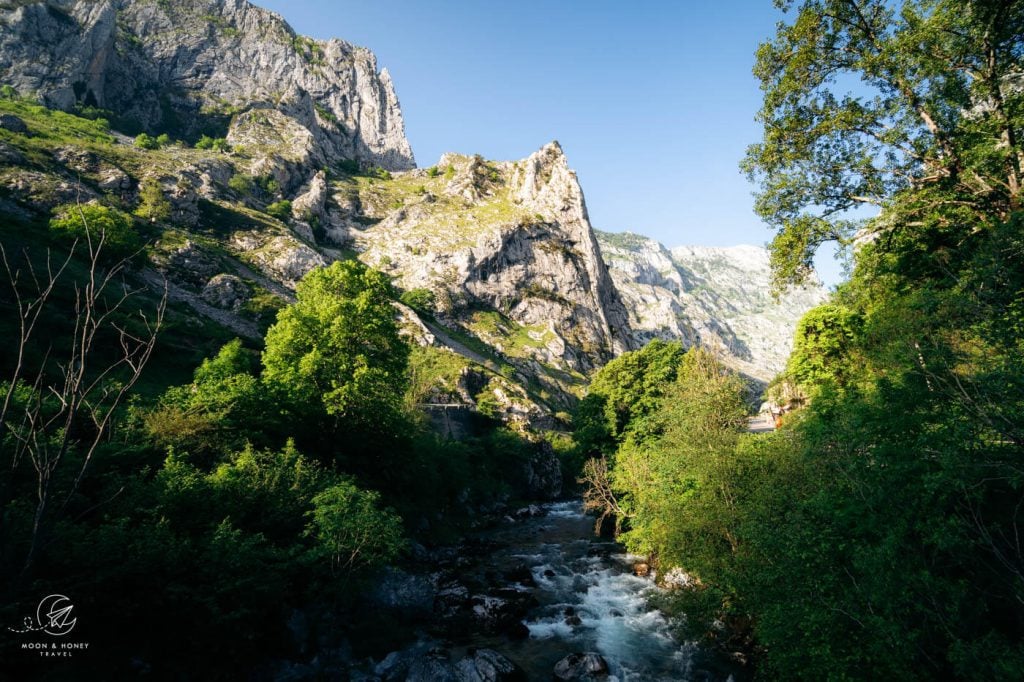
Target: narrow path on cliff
<point>446,339</point>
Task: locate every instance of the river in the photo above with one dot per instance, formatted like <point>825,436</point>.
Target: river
<point>585,598</point>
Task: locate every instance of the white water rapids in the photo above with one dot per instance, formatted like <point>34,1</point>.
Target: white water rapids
<point>590,602</point>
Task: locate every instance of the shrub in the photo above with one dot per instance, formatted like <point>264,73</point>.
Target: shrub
<point>282,210</point>
<point>350,166</point>
<point>144,141</point>
<point>433,172</point>
<point>153,205</point>
<point>163,139</point>
<point>108,229</point>
<point>217,144</point>
<point>353,529</point>
<point>243,184</point>
<point>421,300</point>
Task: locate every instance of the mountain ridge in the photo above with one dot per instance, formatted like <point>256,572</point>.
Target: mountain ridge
<point>715,296</point>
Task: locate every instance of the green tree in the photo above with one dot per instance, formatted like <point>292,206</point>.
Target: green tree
<point>215,412</point>
<point>930,132</point>
<point>153,205</point>
<point>338,349</point>
<point>353,529</point>
<point>823,342</point>
<point>623,394</point>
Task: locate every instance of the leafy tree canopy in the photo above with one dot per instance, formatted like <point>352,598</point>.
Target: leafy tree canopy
<point>338,347</point>
<point>914,109</point>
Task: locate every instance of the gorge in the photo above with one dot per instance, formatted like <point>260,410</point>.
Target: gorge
<point>274,389</point>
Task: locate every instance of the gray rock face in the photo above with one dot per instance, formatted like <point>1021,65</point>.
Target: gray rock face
<point>542,474</point>
<point>226,291</point>
<point>13,123</point>
<point>716,297</point>
<point>203,65</point>
<point>513,237</point>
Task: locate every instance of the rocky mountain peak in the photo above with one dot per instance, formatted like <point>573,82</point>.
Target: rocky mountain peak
<point>719,297</point>
<point>510,252</point>
<point>207,67</point>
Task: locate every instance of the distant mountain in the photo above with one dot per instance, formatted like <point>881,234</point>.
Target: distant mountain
<point>713,296</point>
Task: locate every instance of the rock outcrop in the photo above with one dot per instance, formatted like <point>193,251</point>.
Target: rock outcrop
<point>207,66</point>
<point>713,296</point>
<point>509,250</point>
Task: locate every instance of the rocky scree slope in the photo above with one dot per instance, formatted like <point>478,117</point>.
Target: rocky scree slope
<point>713,296</point>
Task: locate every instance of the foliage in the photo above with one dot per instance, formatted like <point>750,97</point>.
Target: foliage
<point>420,300</point>
<point>352,529</point>
<point>217,144</point>
<point>108,230</point>
<point>145,141</point>
<point>338,347</point>
<point>350,166</point>
<point>931,130</point>
<point>153,205</point>
<point>282,210</point>
<point>623,397</point>
<point>823,345</point>
<point>243,184</point>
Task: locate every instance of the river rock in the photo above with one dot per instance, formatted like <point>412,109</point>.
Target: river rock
<point>529,512</point>
<point>409,593</point>
<point>641,569</point>
<point>581,666</point>
<point>486,665</point>
<point>425,662</point>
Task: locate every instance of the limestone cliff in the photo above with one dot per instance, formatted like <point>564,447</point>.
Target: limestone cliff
<point>208,66</point>
<point>509,252</point>
<point>717,297</point>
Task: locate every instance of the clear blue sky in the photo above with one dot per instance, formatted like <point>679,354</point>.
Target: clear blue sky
<point>653,102</point>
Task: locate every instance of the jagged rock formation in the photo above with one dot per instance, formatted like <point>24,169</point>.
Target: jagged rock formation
<point>508,250</point>
<point>717,297</point>
<point>209,66</point>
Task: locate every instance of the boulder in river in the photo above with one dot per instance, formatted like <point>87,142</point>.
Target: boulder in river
<point>581,667</point>
<point>409,593</point>
<point>425,663</point>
